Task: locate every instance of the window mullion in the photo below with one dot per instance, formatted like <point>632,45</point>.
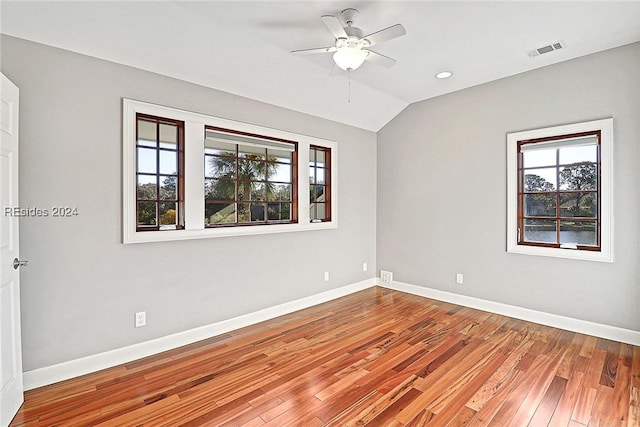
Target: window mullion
<point>303,182</point>
<point>157,175</point>
<point>520,199</point>
<point>237,179</point>
<point>194,176</point>
<point>558,199</point>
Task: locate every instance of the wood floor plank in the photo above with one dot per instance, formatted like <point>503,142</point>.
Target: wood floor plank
<point>461,418</point>
<point>568,365</point>
<point>421,419</point>
<point>562,414</point>
<point>584,405</point>
<point>460,370</point>
<point>501,377</point>
<point>393,403</point>
<point>610,367</point>
<point>494,405</point>
<point>603,403</point>
<point>588,347</point>
<point>255,422</point>
<point>635,368</point>
<point>634,408</point>
<point>594,370</point>
<point>537,392</point>
<point>546,408</point>
<point>377,358</point>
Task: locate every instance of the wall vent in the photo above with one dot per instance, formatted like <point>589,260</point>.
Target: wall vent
<point>546,49</point>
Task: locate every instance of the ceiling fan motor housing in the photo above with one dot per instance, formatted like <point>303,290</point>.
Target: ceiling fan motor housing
<point>352,42</point>
<point>354,32</point>
<point>349,16</point>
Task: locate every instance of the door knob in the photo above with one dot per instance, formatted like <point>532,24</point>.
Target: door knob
<point>17,263</point>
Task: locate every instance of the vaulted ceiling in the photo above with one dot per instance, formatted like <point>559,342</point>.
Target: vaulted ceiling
<point>243,47</point>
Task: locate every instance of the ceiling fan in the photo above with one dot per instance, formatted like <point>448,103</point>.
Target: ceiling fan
<point>351,47</point>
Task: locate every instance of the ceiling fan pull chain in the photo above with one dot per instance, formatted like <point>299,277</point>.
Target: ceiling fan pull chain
<point>349,94</point>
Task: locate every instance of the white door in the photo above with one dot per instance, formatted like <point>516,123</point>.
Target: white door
<point>11,396</point>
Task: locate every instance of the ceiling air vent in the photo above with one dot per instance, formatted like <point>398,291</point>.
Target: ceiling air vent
<point>546,49</point>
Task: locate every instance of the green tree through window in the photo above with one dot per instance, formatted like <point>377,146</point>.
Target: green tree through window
<point>558,197</point>
<point>248,184</point>
<point>159,164</point>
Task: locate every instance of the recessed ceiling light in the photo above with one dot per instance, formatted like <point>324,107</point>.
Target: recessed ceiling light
<point>444,75</point>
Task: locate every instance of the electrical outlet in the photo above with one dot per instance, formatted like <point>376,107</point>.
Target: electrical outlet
<point>326,276</point>
<point>141,319</point>
<point>386,276</point>
<point>459,278</point>
<point>364,266</point>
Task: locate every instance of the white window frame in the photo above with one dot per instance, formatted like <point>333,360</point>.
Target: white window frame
<point>194,134</point>
<point>605,126</point>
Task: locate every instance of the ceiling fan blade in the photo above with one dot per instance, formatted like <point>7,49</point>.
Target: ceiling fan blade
<point>387,34</point>
<point>380,59</point>
<point>315,50</point>
<point>334,25</point>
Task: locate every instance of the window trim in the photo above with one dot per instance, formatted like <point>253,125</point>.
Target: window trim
<point>327,184</point>
<point>605,127</point>
<point>180,172</point>
<point>194,133</point>
<point>557,142</point>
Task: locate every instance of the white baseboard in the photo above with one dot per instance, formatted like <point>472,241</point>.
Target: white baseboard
<point>74,368</point>
<point>575,325</point>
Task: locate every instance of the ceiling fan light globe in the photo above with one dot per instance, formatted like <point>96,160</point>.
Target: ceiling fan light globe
<point>349,58</point>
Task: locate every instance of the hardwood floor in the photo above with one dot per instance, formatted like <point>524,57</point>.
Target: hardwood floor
<point>377,358</point>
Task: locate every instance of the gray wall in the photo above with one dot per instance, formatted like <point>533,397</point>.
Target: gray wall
<point>442,190</point>
<point>82,286</point>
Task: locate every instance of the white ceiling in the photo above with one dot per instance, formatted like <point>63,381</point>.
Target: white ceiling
<point>243,47</point>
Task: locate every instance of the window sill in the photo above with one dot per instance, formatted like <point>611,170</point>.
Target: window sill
<point>561,253</point>
<point>211,233</point>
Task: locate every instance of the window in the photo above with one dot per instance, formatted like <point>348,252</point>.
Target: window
<point>159,164</point>
<point>249,179</point>
<point>560,191</point>
<point>191,176</point>
<point>319,184</point>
